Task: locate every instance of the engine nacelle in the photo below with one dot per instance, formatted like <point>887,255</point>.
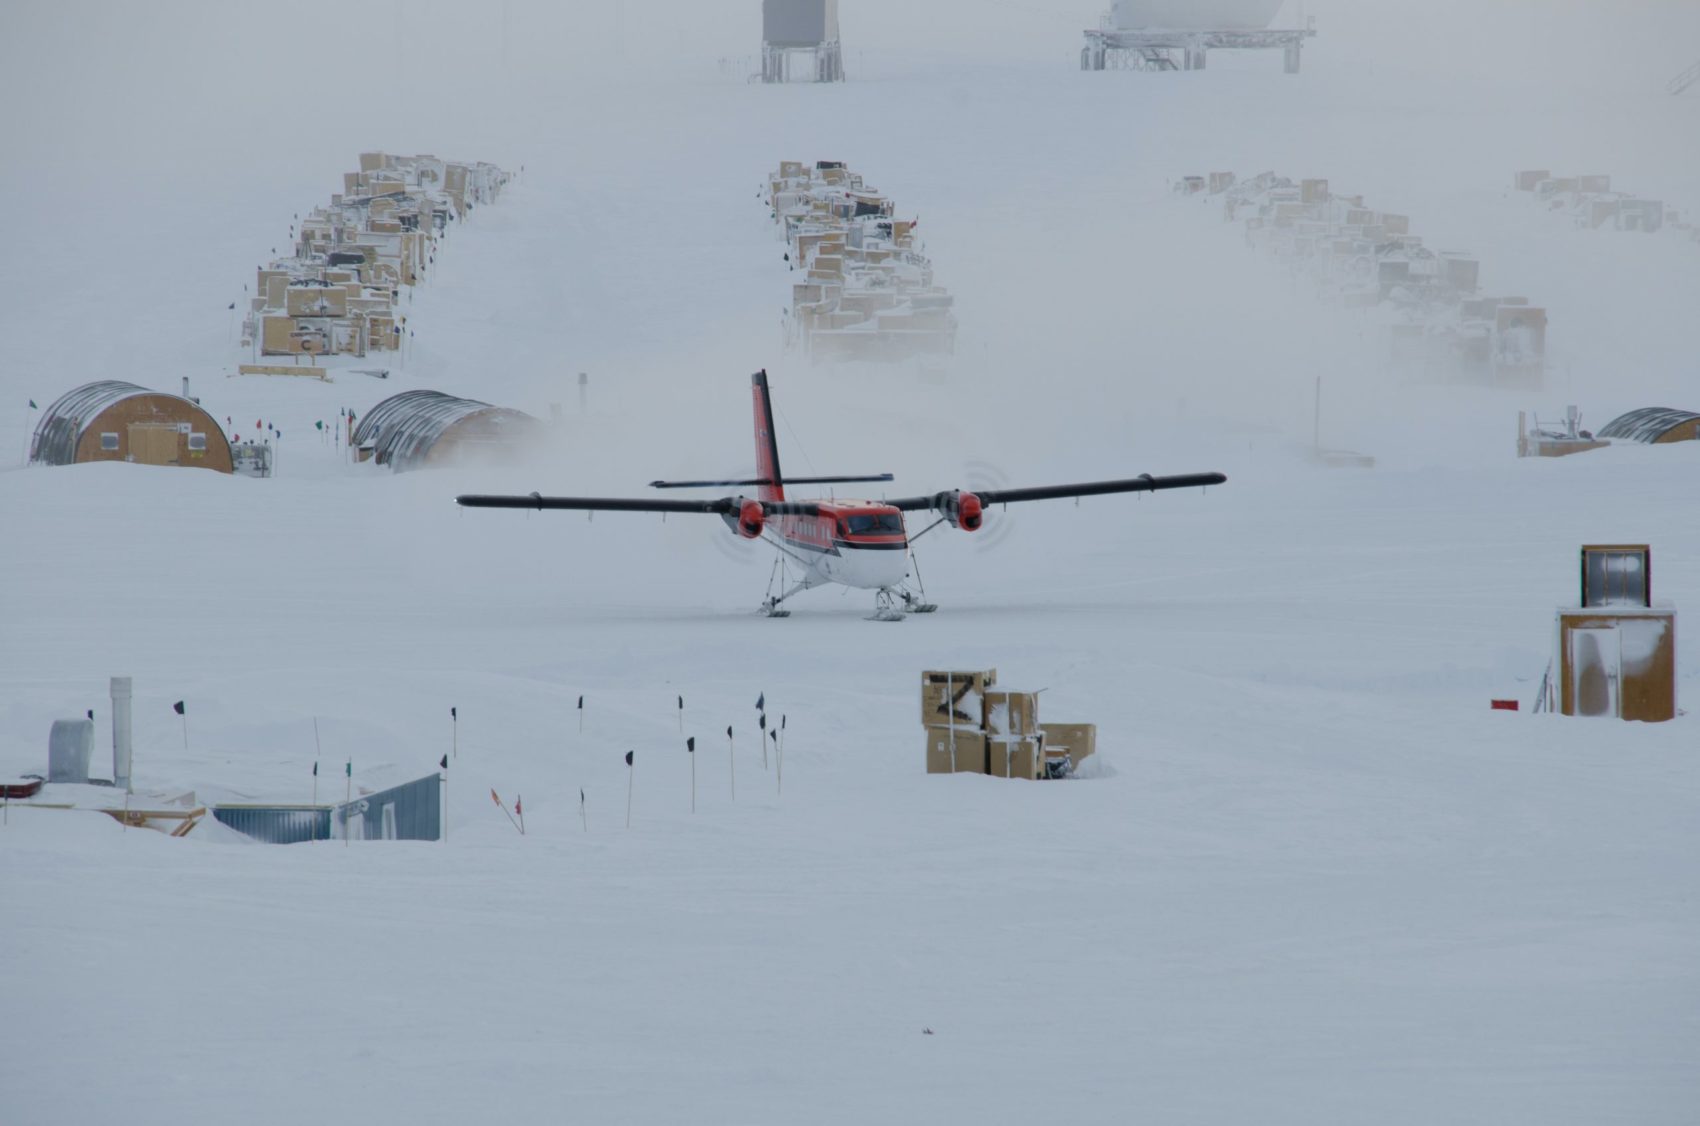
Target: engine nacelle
<point>747,519</point>
<point>963,509</point>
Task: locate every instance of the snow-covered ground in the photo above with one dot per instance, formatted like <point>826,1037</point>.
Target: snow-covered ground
<point>1314,879</point>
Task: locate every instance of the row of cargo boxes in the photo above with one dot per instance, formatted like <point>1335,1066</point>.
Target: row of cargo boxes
<point>866,292</point>
<point>336,294</point>
<point>1440,324</point>
<point>1591,202</point>
<point>973,727</point>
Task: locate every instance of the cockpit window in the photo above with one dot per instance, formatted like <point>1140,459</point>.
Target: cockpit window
<point>874,524</point>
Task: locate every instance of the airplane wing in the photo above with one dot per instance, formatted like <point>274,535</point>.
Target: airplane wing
<point>723,506</point>
<point>1144,483</point>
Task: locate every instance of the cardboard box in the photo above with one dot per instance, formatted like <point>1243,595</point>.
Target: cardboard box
<point>1011,713</point>
<point>982,678</point>
<point>1080,740</point>
<point>955,750</point>
<point>957,703</point>
<point>1022,757</point>
<point>316,301</point>
<point>954,697</point>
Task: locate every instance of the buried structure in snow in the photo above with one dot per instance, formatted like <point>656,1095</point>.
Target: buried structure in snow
<point>418,429</point>
<point>1654,426</point>
<point>111,420</point>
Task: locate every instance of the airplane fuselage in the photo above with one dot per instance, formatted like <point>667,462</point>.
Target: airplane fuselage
<point>853,543</point>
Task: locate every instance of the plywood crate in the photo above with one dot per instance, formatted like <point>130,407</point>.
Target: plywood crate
<point>955,750</point>
<point>1079,739</point>
<point>1020,757</point>
<point>1012,713</point>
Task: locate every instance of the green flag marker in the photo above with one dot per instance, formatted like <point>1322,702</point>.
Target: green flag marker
<point>349,769</point>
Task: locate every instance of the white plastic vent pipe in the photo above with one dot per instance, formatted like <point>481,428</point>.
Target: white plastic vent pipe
<point>121,732</point>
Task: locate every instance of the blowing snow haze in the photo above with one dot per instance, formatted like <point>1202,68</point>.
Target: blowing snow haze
<point>1309,874</point>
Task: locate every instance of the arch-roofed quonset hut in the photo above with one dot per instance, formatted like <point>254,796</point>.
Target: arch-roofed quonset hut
<point>416,429</point>
<point>111,420</point>
<point>1654,425</point>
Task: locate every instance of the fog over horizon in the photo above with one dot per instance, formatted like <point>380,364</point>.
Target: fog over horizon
<point>171,143</point>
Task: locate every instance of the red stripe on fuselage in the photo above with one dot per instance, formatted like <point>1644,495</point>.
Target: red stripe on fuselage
<point>825,532</point>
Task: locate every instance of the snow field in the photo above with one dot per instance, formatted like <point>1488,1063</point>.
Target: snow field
<point>1317,880</point>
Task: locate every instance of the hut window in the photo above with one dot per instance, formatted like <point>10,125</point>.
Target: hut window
<point>109,441</point>
<point>197,441</point>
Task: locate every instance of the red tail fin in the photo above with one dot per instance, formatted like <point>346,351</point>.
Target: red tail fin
<point>767,443</point>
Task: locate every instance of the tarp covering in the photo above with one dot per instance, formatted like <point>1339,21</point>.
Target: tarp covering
<point>1648,424</point>
<point>62,423</point>
<point>403,428</point>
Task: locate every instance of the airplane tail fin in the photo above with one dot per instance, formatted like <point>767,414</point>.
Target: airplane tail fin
<point>767,440</point>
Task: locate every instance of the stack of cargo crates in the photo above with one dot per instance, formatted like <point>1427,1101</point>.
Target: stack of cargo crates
<point>973,727</point>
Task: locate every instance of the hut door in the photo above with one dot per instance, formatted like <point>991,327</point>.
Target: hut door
<point>1595,660</point>
<point>153,444</point>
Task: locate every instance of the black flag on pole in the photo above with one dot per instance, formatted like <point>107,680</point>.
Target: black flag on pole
<point>691,745</point>
<point>454,713</point>
<point>628,758</point>
<point>315,770</point>
<point>761,702</point>
<point>728,731</point>
<point>179,707</point>
<point>581,703</point>
<point>445,762</point>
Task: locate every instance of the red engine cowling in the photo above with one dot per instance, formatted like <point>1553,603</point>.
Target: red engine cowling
<point>962,509</point>
<point>750,519</point>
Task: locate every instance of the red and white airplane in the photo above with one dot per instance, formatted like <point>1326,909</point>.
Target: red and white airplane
<point>856,543</point>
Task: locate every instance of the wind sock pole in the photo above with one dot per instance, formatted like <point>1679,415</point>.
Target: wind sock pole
<point>630,771</point>
<point>454,731</point>
<point>691,749</point>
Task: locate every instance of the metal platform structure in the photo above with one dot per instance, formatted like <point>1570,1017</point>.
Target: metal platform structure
<point>799,41</point>
<point>1109,48</point>
<point>820,62</point>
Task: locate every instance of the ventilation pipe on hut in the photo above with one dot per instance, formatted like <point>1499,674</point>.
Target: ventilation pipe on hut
<point>121,732</point>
